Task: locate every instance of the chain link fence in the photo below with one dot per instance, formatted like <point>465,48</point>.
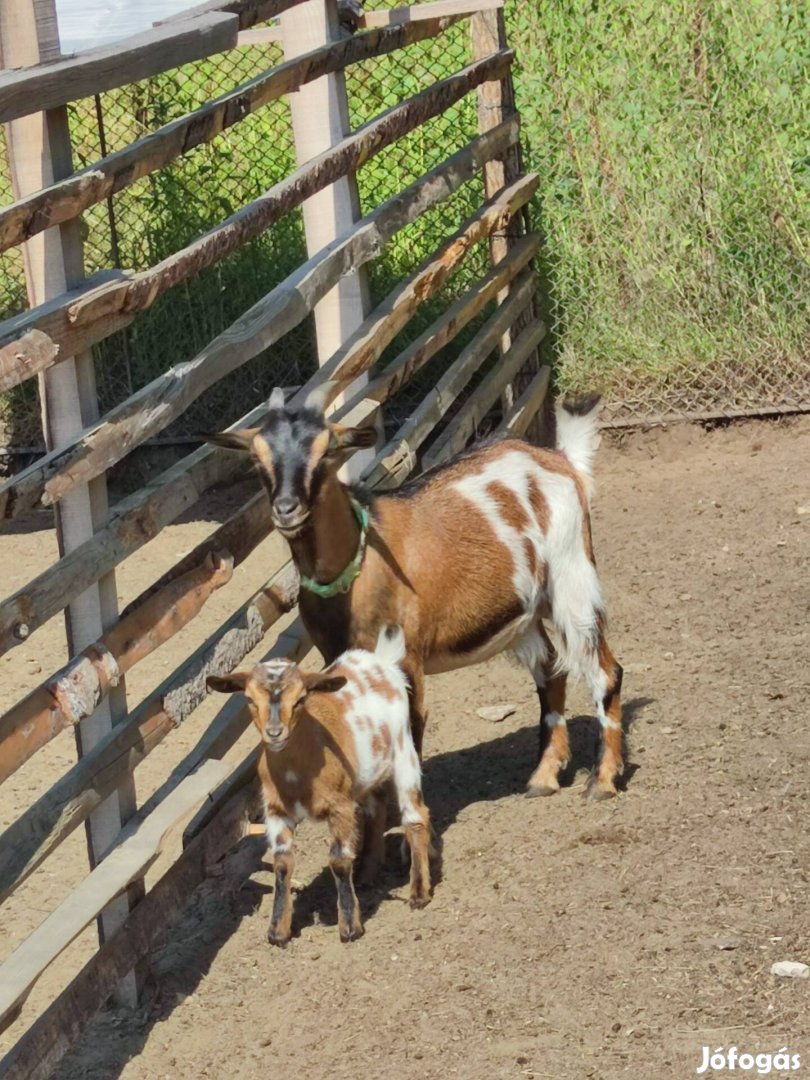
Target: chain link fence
<point>671,143</point>
<point>674,202</point>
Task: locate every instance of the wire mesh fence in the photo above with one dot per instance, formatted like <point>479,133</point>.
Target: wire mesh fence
<point>671,143</point>
<point>674,202</point>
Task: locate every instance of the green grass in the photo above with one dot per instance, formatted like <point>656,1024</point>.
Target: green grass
<point>671,143</point>
<point>674,200</point>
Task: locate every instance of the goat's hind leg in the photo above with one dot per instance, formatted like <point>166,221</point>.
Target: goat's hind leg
<point>605,680</point>
<point>555,751</point>
<point>374,813</point>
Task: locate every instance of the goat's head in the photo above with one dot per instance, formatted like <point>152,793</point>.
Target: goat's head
<point>295,450</point>
<point>276,690</point>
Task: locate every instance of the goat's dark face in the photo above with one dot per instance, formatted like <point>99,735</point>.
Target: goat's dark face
<point>295,450</point>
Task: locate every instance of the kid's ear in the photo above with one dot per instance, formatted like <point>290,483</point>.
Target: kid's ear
<point>325,684</point>
<point>234,683</point>
<point>241,439</point>
<point>351,438</point>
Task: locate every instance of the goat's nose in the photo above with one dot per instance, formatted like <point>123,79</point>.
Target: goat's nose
<point>286,505</point>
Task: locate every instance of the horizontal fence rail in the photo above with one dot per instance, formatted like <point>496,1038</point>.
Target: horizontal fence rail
<point>492,380</point>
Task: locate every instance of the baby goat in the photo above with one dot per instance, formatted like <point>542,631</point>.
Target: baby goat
<point>330,742</point>
<point>468,559</point>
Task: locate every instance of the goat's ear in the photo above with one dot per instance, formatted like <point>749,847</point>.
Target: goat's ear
<point>325,684</point>
<point>241,439</point>
<point>234,683</point>
<point>351,438</point>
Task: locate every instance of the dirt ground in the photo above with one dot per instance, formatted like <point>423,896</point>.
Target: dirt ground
<point>566,938</point>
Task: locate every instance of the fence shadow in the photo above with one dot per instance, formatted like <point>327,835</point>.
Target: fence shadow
<point>486,772</point>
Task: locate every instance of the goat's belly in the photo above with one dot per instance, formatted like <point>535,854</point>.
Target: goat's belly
<point>505,638</point>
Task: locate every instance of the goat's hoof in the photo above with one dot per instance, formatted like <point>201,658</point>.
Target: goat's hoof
<point>276,937</point>
<point>351,933</point>
<point>419,902</point>
<point>602,794</point>
<point>536,791</point>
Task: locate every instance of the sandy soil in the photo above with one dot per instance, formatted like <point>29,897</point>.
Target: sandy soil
<point>566,939</point>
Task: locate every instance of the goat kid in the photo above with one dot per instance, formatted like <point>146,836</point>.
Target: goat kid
<point>468,559</point>
<point>331,742</point>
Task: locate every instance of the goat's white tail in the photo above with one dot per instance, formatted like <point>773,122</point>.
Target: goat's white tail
<point>578,432</point>
<point>390,645</point>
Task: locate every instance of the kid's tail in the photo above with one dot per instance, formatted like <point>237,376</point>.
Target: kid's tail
<point>390,645</point>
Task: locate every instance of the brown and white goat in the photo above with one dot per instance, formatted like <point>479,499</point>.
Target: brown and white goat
<point>330,743</point>
<point>468,559</point>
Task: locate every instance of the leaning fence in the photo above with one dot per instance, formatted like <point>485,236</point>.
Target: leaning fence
<point>453,333</point>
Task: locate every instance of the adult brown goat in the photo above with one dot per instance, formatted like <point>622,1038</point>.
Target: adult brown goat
<point>468,559</point>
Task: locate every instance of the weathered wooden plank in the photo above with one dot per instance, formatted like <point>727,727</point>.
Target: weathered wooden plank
<point>57,1029</point>
<point>40,153</point>
<point>238,535</point>
<point>404,366</point>
<point>65,200</point>
<point>75,691</point>
<point>399,457</point>
<point>260,35</point>
<point>249,12</point>
<point>93,310</point>
<point>458,432</point>
<point>45,824</point>
<point>141,844</point>
<point>164,398</point>
<point>46,86</point>
<point>417,12</point>
<point>525,409</point>
<point>22,359</point>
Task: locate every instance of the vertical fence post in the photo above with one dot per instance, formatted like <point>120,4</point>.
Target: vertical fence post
<point>320,118</point>
<point>40,153</point>
<point>496,102</point>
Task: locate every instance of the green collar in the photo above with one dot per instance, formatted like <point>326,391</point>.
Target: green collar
<point>344,581</point>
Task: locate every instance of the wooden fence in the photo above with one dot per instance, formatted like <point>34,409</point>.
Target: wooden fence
<point>51,341</point>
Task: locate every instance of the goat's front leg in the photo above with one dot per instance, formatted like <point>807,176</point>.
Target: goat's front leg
<point>280,845</point>
<point>343,826</point>
<point>416,701</point>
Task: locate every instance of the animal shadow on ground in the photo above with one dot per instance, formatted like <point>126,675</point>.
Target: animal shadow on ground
<point>489,771</point>
<point>452,781</point>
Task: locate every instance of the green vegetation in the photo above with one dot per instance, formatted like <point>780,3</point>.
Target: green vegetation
<point>671,143</point>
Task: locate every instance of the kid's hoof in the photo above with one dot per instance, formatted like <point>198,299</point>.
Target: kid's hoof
<point>351,933</point>
<point>419,902</point>
<point>536,791</point>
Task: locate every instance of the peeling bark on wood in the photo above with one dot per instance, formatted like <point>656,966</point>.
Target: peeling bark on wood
<point>403,367</point>
<point>455,437</point>
<point>141,517</point>
<point>527,406</point>
<point>399,457</point>
<point>87,319</point>
<point>65,200</point>
<point>42,827</point>
<point>57,1029</point>
<point>74,692</point>
<point>28,90</point>
<point>152,408</point>
<point>142,841</point>
<point>22,359</point>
